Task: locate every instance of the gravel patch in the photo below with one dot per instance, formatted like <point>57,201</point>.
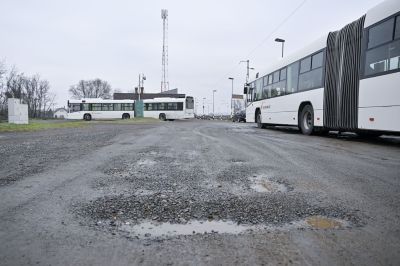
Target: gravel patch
<point>158,185</point>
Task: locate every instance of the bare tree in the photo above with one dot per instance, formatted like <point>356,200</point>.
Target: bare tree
<point>95,88</point>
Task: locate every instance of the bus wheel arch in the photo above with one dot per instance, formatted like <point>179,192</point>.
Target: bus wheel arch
<point>162,117</point>
<point>87,117</point>
<point>306,118</point>
<point>125,116</point>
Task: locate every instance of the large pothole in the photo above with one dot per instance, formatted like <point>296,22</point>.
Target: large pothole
<point>264,184</point>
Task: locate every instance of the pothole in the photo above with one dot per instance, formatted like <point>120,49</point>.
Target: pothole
<point>146,162</point>
<point>320,222</point>
<point>265,185</point>
<point>149,229</point>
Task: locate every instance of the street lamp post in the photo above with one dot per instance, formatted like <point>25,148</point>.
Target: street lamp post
<point>232,98</point>
<point>214,91</point>
<point>283,43</point>
<point>203,105</point>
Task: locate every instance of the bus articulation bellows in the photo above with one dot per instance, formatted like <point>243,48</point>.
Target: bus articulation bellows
<point>349,80</point>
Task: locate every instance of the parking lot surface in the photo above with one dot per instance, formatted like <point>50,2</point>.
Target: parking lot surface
<point>197,192</point>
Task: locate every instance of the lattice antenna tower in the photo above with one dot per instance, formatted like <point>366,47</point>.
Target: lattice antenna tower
<point>164,67</point>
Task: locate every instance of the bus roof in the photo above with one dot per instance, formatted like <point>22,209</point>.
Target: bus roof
<point>381,11</point>
<point>99,100</point>
<point>164,100</point>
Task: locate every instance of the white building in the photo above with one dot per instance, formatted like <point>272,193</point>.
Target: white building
<point>17,111</point>
<point>60,113</point>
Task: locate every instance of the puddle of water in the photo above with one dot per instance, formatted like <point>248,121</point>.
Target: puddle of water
<point>262,184</point>
<point>320,222</point>
<point>153,229</point>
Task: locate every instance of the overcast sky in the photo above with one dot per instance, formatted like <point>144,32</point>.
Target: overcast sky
<point>66,41</point>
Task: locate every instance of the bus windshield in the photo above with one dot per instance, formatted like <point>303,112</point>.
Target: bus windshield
<point>189,103</point>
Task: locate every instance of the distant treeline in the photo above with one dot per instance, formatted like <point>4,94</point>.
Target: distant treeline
<point>33,90</point>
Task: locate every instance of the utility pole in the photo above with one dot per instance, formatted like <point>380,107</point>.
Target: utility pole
<point>247,68</point>
<point>203,105</point>
<point>140,88</point>
<point>232,97</point>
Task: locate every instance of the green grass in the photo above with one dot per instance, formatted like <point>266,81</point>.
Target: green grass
<point>35,124</point>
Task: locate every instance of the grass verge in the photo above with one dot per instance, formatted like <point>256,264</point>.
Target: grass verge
<point>39,125</point>
<point>35,125</point>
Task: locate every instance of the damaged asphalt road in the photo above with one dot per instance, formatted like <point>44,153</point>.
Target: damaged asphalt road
<point>197,192</point>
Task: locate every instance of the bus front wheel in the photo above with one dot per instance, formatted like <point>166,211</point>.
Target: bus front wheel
<point>87,117</point>
<point>307,120</point>
<point>162,117</point>
<point>258,117</point>
<point>126,116</point>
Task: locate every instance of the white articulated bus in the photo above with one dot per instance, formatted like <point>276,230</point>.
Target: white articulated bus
<point>92,108</point>
<point>349,80</point>
<point>169,108</point>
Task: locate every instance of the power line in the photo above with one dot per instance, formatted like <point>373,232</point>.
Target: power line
<point>278,27</point>
<point>265,39</point>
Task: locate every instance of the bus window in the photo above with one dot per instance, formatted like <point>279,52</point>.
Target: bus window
<point>383,52</point>
<point>258,89</point>
<point>283,74</point>
<point>117,107</point>
<point>127,106</point>
<point>162,106</point>
<point>107,107</point>
<point>317,60</point>
<point>292,78</point>
<point>381,33</point>
<point>276,76</point>
<point>75,107</point>
<point>305,65</point>
<point>96,106</point>
<point>85,107</point>
<point>180,106</point>
<point>189,103</point>
<point>172,106</point>
<point>311,79</point>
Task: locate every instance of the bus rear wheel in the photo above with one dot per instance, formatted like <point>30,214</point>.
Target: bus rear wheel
<point>162,117</point>
<point>307,120</point>
<point>87,117</point>
<point>126,116</point>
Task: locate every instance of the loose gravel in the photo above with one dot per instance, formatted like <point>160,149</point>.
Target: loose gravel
<point>29,153</point>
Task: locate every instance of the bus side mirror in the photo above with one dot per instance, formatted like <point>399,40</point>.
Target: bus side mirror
<point>245,90</point>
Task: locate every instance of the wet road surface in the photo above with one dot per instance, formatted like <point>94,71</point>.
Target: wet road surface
<point>197,192</point>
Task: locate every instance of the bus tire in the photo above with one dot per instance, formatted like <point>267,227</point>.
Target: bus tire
<point>306,120</point>
<point>258,118</point>
<point>87,117</point>
<point>162,117</point>
<point>126,116</point>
